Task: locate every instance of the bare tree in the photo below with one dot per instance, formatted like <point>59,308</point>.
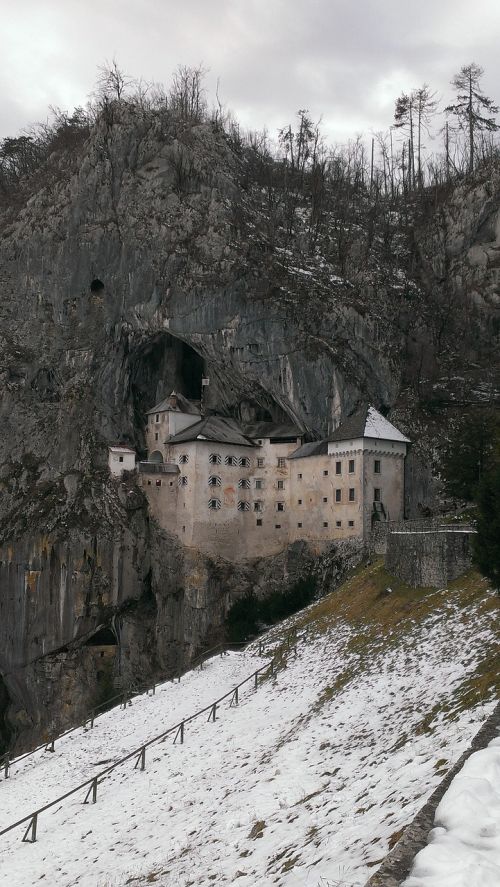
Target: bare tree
<point>473,109</point>
<point>112,82</point>
<point>187,94</point>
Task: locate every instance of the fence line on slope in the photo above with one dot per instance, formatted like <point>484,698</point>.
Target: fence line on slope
<point>91,784</point>
<point>121,699</point>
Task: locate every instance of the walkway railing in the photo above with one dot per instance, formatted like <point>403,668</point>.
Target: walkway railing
<point>122,699</point>
<point>269,669</point>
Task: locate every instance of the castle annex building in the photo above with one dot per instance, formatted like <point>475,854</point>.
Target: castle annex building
<point>247,491</point>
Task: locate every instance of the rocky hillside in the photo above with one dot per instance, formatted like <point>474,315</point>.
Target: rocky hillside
<point>157,251</point>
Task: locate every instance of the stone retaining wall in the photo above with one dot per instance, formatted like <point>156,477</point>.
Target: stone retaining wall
<point>428,558</point>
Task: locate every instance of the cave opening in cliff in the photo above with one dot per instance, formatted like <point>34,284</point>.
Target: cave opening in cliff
<point>105,637</point>
<point>159,366</point>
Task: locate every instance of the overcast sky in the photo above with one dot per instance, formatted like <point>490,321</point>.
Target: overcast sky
<point>346,61</point>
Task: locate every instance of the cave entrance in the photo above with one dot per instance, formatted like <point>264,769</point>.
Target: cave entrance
<point>105,637</point>
<point>159,366</point>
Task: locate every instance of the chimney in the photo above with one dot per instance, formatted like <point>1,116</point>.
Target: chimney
<point>173,400</point>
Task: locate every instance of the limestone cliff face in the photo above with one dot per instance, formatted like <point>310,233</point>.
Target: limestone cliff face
<point>161,218</point>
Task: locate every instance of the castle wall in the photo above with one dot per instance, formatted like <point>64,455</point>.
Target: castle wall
<point>315,513</point>
<point>428,558</point>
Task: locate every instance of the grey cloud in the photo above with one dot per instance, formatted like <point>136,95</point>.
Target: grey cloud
<point>347,61</point>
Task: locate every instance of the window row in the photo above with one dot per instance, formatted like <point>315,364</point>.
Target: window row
<point>243,461</point>
<point>215,504</point>
<point>216,459</point>
<point>338,524</point>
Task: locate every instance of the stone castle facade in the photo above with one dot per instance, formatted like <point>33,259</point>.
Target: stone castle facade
<point>247,491</point>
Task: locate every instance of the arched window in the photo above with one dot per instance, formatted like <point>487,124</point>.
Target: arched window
<point>184,459</point>
<point>243,506</point>
<point>214,504</point>
<point>214,458</point>
<point>245,462</point>
<point>214,481</point>
<point>156,456</point>
<point>244,483</point>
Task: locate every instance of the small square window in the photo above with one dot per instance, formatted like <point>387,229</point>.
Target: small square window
<point>338,523</point>
<point>299,526</point>
<point>260,462</point>
<point>351,523</point>
<point>338,467</point>
<point>299,477</point>
<point>259,484</point>
<point>281,485</point>
<point>157,417</point>
<point>325,499</point>
<point>149,483</point>
<point>158,483</point>
<point>120,458</point>
<point>156,435</point>
<point>280,506</point>
<point>259,521</point>
<point>325,523</point>
<point>376,466</point>
<point>299,501</point>
<point>338,495</point>
<point>184,529</point>
<point>277,526</point>
<point>281,461</point>
<point>351,466</point>
<point>325,473</point>
<point>352,494</point>
<point>376,494</point>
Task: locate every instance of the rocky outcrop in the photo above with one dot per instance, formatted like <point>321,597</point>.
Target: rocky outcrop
<point>135,267</point>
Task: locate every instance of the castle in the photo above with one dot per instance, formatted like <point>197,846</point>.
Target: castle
<point>247,491</point>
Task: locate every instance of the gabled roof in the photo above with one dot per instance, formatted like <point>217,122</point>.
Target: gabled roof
<point>183,405</point>
<point>367,422</point>
<point>214,428</point>
<point>271,430</point>
<point>121,448</point>
<point>316,448</point>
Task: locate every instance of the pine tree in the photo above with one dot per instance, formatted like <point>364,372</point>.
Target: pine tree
<point>473,109</point>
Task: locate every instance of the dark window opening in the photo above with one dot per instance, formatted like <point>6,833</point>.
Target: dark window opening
<point>96,286</point>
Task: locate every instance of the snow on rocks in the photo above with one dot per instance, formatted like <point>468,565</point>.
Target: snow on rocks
<point>306,782</point>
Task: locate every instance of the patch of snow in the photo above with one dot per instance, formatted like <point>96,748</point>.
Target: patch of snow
<point>464,848</point>
<point>380,427</point>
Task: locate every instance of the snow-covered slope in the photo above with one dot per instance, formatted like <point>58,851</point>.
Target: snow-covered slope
<point>306,782</point>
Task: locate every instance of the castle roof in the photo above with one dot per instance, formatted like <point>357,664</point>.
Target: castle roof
<point>367,422</point>
<point>271,430</point>
<point>212,428</point>
<point>316,448</point>
<point>176,403</point>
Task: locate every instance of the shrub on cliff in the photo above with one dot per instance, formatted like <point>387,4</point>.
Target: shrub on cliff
<point>250,614</point>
